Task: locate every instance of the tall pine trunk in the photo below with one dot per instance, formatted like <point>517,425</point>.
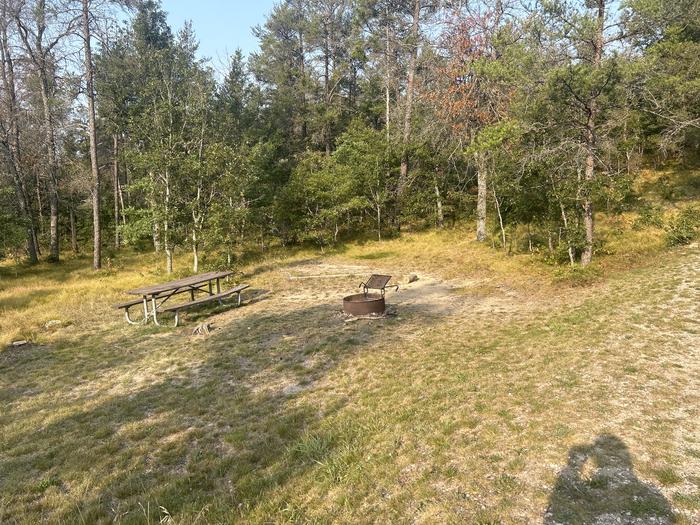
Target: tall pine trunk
<point>166,226</point>
<point>326,86</point>
<point>195,250</point>
<point>115,181</point>
<point>73,232</point>
<point>50,134</point>
<point>90,91</point>
<point>8,81</point>
<point>39,55</point>
<point>408,112</point>
<point>387,77</point>
<point>591,142</point>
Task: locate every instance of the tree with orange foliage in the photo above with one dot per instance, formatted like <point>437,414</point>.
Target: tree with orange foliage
<point>472,92</point>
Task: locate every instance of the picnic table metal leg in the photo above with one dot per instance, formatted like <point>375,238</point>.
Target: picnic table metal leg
<point>145,310</point>
<point>155,316</point>
<point>218,290</point>
<point>210,291</point>
<point>126,314</point>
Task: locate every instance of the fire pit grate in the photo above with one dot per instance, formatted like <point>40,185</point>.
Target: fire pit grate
<point>366,303</point>
<point>378,282</point>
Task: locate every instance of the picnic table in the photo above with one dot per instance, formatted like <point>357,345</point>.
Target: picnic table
<point>154,297</point>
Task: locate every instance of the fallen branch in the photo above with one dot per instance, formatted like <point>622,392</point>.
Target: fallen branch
<point>327,275</point>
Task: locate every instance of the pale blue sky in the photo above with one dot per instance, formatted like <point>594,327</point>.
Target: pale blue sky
<point>221,26</point>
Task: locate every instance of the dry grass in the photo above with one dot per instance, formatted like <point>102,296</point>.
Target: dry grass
<point>497,394</point>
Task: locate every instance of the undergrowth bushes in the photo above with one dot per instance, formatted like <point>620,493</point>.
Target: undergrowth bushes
<point>684,227</point>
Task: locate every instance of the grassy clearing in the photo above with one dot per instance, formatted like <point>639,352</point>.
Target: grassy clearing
<point>498,394</point>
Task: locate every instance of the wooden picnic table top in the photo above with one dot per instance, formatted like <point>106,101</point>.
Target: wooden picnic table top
<point>192,280</point>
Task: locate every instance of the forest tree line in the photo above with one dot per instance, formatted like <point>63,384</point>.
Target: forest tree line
<point>354,118</point>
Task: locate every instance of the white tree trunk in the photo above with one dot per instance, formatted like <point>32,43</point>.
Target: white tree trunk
<point>438,205</point>
<point>482,188</point>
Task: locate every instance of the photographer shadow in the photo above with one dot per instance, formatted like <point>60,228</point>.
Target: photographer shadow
<point>598,486</point>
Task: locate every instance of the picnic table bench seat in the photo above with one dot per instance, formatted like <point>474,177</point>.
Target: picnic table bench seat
<point>129,304</point>
<point>206,299</point>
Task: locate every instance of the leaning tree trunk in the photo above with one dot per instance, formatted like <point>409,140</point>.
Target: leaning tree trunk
<point>89,82</point>
<point>587,254</point>
<point>500,218</point>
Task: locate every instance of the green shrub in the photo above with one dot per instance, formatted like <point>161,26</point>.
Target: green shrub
<point>685,227</point>
<point>577,275</point>
<point>649,216</point>
<point>666,188</point>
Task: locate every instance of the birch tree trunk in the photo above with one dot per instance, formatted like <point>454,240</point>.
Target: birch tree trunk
<point>195,250</point>
<point>482,190</point>
<point>156,236</point>
<point>570,248</point>
<point>438,205</point>
<point>90,91</point>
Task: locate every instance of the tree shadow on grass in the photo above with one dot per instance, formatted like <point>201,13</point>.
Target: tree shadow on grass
<point>200,314</point>
<point>111,426</point>
<point>598,486</point>
<point>219,433</point>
